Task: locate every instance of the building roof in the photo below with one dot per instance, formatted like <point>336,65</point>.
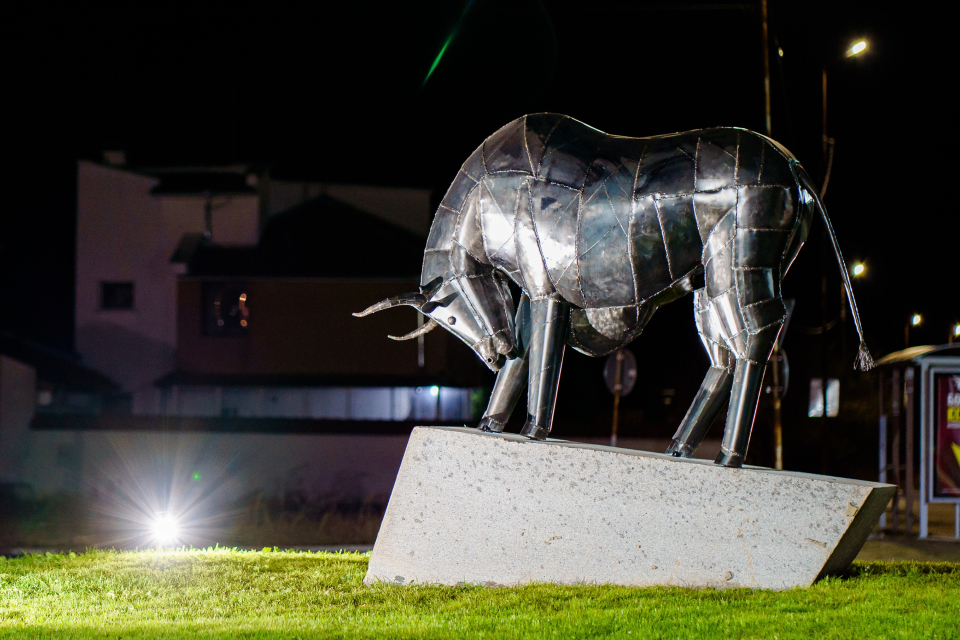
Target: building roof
<point>918,354</point>
<point>54,366</point>
<point>322,237</point>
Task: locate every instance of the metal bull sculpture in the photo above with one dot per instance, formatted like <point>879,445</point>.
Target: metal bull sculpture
<point>598,231</point>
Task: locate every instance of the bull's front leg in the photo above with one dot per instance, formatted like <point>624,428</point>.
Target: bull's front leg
<point>549,319</point>
<point>512,378</point>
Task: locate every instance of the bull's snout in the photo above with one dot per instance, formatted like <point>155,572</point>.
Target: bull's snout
<point>496,350</point>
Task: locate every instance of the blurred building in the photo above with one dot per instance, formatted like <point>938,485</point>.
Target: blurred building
<point>224,293</point>
<point>213,310</point>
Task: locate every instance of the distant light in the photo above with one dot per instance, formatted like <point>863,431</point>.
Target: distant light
<point>196,475</point>
<point>243,297</point>
<point>434,391</point>
<point>44,397</point>
<point>915,320</point>
<point>780,51</point>
<point>243,323</point>
<point>857,47</point>
<point>956,330</point>
<point>858,269</point>
<point>165,529</point>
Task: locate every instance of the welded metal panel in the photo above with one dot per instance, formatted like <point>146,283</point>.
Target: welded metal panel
<point>680,233</point>
<point>648,255</point>
<point>709,208</point>
<point>506,150</point>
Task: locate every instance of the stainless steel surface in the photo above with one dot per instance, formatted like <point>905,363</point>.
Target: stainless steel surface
<point>549,318</point>
<point>600,230</point>
<point>512,378</point>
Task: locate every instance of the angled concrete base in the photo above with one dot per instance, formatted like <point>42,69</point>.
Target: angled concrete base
<point>500,509</point>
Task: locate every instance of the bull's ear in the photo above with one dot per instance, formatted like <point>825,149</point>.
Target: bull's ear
<point>430,306</point>
<point>430,289</point>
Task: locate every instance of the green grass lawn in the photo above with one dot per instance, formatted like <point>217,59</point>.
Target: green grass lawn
<point>241,594</point>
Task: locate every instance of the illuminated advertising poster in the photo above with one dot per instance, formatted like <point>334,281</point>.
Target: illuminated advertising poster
<point>946,480</point>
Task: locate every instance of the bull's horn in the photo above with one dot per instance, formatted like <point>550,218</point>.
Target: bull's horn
<point>410,299</point>
<point>430,325</point>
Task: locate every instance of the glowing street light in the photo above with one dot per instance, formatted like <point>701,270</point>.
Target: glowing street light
<point>913,321</point>
<point>858,269</point>
<point>857,48</point>
<point>435,391</point>
<point>165,529</point>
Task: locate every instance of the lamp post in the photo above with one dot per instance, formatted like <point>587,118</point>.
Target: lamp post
<point>912,321</point>
<point>855,49</point>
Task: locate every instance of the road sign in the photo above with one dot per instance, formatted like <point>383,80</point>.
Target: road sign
<point>627,363</point>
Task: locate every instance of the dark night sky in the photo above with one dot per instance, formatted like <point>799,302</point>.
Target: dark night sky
<point>338,94</point>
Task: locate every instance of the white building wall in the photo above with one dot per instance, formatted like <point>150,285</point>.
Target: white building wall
<point>125,234</point>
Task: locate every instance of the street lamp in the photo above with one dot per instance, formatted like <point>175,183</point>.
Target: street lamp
<point>853,50</point>
<point>955,334</point>
<point>858,269</point>
<point>914,321</point>
<point>857,48</point>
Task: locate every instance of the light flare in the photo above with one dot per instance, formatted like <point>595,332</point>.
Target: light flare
<point>165,529</point>
<point>857,48</point>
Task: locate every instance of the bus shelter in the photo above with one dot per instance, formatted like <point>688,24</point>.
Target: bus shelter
<point>920,385</point>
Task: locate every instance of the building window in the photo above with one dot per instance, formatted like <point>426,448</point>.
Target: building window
<point>226,310</point>
<point>116,295</point>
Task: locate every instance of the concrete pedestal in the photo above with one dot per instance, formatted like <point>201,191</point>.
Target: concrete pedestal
<point>503,510</point>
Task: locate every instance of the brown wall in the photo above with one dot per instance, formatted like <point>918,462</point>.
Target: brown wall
<point>305,327</point>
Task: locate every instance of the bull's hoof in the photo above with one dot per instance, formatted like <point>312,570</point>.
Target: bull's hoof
<point>490,425</point>
<point>533,431</point>
<point>728,459</point>
<point>679,449</point>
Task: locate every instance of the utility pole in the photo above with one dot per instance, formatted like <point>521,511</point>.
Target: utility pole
<point>766,67</point>
<point>617,388</point>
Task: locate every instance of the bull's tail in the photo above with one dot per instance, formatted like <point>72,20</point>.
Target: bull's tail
<point>864,360</point>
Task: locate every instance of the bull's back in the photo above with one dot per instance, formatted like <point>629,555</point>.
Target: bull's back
<point>602,220</point>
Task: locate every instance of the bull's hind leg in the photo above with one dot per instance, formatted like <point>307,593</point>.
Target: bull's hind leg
<point>744,397</point>
<point>752,311</point>
<point>715,388</point>
<point>512,378</point>
<point>550,318</point>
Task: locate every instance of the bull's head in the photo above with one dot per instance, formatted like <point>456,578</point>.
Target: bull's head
<point>478,309</point>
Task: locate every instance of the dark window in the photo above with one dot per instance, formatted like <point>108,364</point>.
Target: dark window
<point>116,295</point>
<point>226,310</point>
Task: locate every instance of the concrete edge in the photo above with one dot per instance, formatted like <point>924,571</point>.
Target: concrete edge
<point>513,437</point>
<point>859,529</point>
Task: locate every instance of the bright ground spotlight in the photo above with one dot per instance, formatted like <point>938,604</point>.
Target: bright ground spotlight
<point>858,269</point>
<point>164,529</point>
<point>857,47</point>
